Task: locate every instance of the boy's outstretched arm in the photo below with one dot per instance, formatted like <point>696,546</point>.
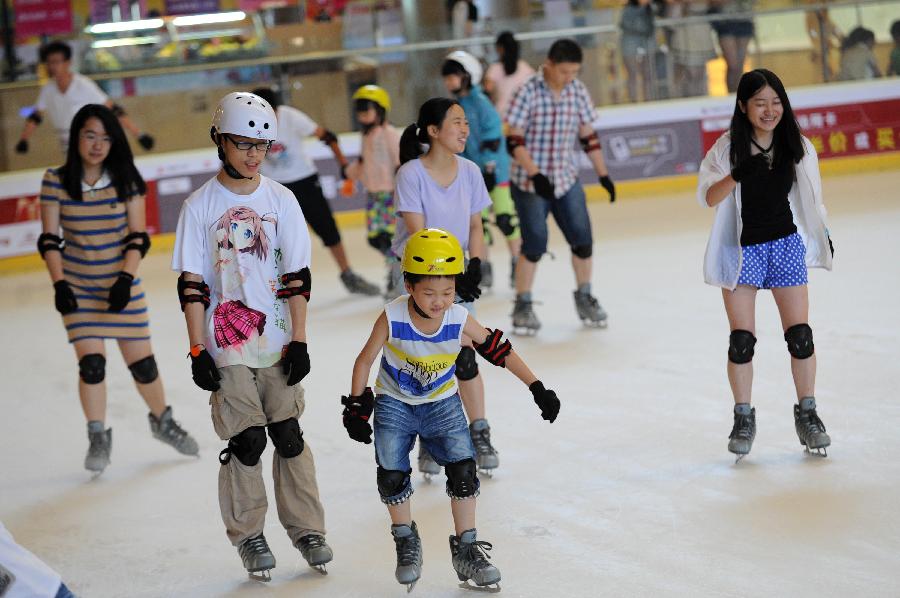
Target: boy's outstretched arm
<point>363,365</point>
<point>359,405</point>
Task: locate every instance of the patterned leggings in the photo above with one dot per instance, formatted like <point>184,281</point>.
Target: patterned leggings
<point>380,220</point>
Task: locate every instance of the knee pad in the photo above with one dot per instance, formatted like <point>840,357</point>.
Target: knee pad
<point>507,224</point>
<point>287,437</point>
<point>248,446</point>
<point>144,370</point>
<point>381,241</point>
<point>799,338</point>
<point>92,368</point>
<point>393,483</point>
<point>583,251</point>
<point>461,479</point>
<point>532,258</point>
<point>740,346</point>
<point>466,365</point>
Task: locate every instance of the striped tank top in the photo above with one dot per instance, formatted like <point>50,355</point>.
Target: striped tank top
<point>93,230</point>
<point>419,368</point>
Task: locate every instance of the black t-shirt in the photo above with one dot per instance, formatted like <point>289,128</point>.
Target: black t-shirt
<point>765,209</point>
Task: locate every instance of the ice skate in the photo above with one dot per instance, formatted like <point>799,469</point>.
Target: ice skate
<point>357,284</point>
<point>409,554</point>
<point>470,560</point>
<point>524,321</point>
<point>743,432</point>
<point>427,465</point>
<point>810,429</point>
<point>487,275</point>
<point>589,310</point>
<point>257,558</point>
<point>316,551</point>
<point>167,430</point>
<point>99,449</point>
<point>486,457</point>
<point>512,271</point>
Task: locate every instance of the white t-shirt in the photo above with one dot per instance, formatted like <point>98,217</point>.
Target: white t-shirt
<point>61,107</point>
<point>23,575</point>
<point>241,245</point>
<point>287,161</point>
<point>449,208</point>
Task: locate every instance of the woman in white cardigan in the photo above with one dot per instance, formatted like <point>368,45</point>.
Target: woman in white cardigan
<point>762,176</point>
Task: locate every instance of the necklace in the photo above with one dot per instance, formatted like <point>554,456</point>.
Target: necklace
<point>765,151</point>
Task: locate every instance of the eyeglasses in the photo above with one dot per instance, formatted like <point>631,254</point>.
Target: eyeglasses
<point>245,146</point>
<point>92,137</point>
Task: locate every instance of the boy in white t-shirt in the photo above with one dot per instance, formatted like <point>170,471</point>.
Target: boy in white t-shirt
<point>288,164</point>
<point>65,95</point>
<point>243,252</point>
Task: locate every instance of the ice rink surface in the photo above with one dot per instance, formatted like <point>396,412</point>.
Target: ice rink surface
<point>630,493</point>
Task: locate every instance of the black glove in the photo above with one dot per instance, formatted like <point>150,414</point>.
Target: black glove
<point>146,141</point>
<point>120,292</point>
<point>751,166</point>
<point>546,400</point>
<point>490,179</point>
<point>357,410</point>
<point>610,187</point>
<point>64,298</point>
<point>295,363</point>
<point>343,172</point>
<point>22,146</point>
<point>204,371</point>
<point>467,283</point>
<point>543,186</point>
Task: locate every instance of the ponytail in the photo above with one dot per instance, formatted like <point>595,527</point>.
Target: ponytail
<point>415,135</point>
<point>410,145</point>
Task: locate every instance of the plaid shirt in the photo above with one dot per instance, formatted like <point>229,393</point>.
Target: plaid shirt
<point>551,130</point>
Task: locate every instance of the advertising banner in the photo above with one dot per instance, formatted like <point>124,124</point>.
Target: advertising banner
<point>42,17</point>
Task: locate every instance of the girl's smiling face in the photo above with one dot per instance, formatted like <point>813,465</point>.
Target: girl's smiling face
<point>453,132</point>
<point>763,110</point>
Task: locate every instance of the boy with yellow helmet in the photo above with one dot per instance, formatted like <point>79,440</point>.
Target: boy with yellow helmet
<point>419,335</point>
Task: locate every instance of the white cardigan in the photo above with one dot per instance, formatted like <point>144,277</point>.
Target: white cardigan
<point>723,260</point>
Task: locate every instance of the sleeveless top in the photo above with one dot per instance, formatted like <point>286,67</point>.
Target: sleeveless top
<point>419,368</point>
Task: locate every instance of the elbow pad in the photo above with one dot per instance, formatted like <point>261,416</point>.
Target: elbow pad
<point>49,242</point>
<point>139,241</point>
<point>35,118</point>
<point>328,137</point>
<point>590,143</point>
<point>494,349</point>
<point>304,289</point>
<point>184,298</point>
<point>514,141</point>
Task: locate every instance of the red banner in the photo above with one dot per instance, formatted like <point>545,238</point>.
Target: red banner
<point>42,17</point>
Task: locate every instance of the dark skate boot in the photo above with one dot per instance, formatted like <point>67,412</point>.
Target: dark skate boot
<point>409,554</point>
<point>512,271</point>
<point>743,432</point>
<point>257,557</point>
<point>524,321</point>
<point>485,454</point>
<point>357,284</point>
<point>589,310</point>
<point>316,551</point>
<point>99,447</point>
<point>165,429</point>
<point>427,465</point>
<point>470,560</point>
<point>810,429</point>
<point>487,275</point>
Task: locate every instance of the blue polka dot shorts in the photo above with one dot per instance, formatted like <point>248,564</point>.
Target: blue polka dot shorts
<point>778,263</point>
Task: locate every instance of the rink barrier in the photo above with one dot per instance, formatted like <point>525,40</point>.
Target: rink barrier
<point>625,190</point>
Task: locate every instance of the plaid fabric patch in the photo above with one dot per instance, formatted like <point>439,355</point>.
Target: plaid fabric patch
<point>233,322</point>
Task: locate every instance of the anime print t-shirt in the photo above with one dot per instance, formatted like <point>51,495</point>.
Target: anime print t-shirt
<point>241,245</point>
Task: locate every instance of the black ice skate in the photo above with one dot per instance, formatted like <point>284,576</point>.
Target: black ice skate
<point>486,457</point>
<point>257,558</point>
<point>316,551</point>
<point>487,275</point>
<point>743,432</point>
<point>409,554</point>
<point>427,465</point>
<point>589,310</point>
<point>470,561</point>
<point>356,284</point>
<point>99,447</point>
<point>167,430</point>
<point>810,429</point>
<point>524,321</point>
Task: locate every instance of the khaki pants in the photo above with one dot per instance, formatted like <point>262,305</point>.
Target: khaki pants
<point>257,397</point>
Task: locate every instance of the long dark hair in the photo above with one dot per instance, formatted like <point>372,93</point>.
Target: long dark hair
<point>415,135</point>
<point>510,55</point>
<point>119,162</point>
<point>787,139</point>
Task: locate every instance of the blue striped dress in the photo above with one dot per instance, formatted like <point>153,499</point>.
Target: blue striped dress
<point>93,230</point>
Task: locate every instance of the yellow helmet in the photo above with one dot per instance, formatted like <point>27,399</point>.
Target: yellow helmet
<point>375,94</point>
<point>433,252</point>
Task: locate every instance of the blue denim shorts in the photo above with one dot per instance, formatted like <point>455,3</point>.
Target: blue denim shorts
<point>778,263</point>
<point>569,211</point>
<point>441,426</point>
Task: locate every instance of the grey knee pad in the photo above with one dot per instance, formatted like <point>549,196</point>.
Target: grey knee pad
<point>144,370</point>
<point>740,346</point>
<point>287,437</point>
<point>248,446</point>
<point>583,251</point>
<point>507,223</point>
<point>393,483</point>
<point>461,479</point>
<point>92,368</point>
<point>799,340</point>
<point>532,258</point>
<point>466,365</point>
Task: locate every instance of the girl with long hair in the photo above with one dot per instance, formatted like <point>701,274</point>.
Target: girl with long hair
<point>504,77</point>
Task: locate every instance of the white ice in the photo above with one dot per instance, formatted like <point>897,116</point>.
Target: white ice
<point>630,493</point>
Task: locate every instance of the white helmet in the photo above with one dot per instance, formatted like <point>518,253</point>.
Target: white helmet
<point>246,114</point>
<point>468,62</point>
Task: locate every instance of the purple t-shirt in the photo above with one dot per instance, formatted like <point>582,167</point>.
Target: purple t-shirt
<point>449,208</point>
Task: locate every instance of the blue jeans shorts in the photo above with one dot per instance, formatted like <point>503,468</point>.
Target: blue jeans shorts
<point>778,263</point>
<point>442,429</point>
<point>569,211</point>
